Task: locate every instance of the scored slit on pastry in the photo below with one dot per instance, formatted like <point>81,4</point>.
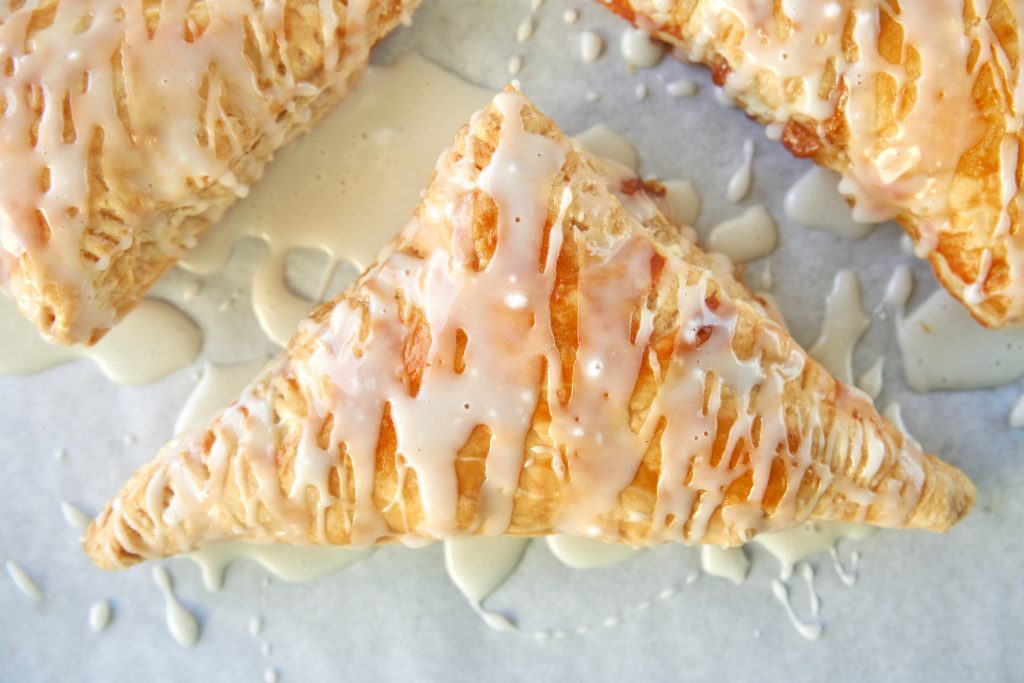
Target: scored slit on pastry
<point>539,351</point>
<point>917,104</point>
<point>128,127</point>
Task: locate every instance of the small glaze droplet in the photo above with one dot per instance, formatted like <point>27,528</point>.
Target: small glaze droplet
<point>640,50</point>
<point>871,381</point>
<point>24,583</point>
<point>746,237</point>
<point>681,89</point>
<point>591,46</point>
<point>74,515</point>
<point>100,615</point>
<point>525,30</point>
<point>180,622</point>
<point>739,183</point>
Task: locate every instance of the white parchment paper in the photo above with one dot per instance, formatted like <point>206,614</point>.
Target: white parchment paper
<point>926,607</point>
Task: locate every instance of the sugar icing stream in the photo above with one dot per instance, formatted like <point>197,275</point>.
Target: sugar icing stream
<point>739,182</point>
<point>23,581</point>
<point>152,341</point>
<point>180,622</point>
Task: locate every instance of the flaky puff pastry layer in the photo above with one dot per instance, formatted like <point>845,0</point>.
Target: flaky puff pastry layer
<point>128,127</point>
<point>540,351</point>
<point>917,104</point>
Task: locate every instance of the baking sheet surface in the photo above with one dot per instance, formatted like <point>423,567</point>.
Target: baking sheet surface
<point>926,607</point>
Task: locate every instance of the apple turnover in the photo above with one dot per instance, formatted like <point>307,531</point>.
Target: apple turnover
<point>128,127</point>
<point>916,103</point>
<point>539,351</point>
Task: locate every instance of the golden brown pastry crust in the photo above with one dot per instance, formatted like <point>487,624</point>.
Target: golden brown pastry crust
<point>118,160</point>
<point>247,475</point>
<point>970,228</point>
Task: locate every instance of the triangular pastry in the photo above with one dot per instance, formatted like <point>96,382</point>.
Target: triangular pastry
<point>127,127</point>
<point>540,351</point>
<point>917,104</point>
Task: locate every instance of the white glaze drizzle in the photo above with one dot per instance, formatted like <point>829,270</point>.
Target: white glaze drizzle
<point>893,412</point>
<point>167,72</point>
<point>570,16</point>
<point>751,235</point>
<point>739,182</point>
<point>216,388</point>
<point>807,574</point>
<point>218,385</point>
<point>727,563</point>
<point>792,546</point>
<point>23,581</point>
<point>74,516</point>
<point>256,626</point>
<point>602,141</point>
<point>639,49</point>
<point>1016,417</point>
<point>152,341</point>
<point>478,565</point>
<point>587,553</point>
<point>811,630</point>
<point>100,615</point>
<point>591,46</point>
<point>181,624</point>
<point>899,287</point>
<point>847,576</point>
<point>814,202</point>
<point>683,201</point>
<point>525,30</point>
<point>844,324</point>
<point>871,381</point>
<point>288,563</point>
<point>943,347</point>
<point>681,88</point>
<point>767,279</point>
